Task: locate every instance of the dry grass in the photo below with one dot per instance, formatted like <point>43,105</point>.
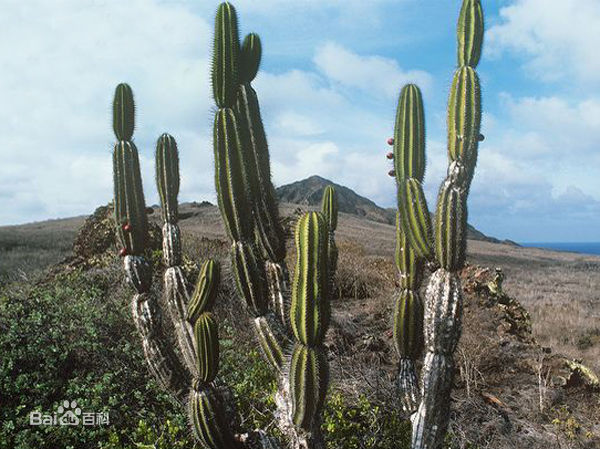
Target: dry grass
<point>27,249</point>
<point>560,290</point>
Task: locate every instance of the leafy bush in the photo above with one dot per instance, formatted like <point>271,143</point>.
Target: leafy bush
<point>66,339</point>
<point>364,425</point>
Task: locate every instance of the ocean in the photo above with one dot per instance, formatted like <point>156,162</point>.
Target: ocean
<point>576,247</point>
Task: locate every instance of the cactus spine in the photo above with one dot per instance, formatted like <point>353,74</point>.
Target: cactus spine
<point>445,246</point>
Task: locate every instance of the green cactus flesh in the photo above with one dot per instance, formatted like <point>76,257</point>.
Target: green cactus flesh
<point>123,112</point>
<point>464,117</point>
<point>250,55</point>
<point>206,290</point>
<point>208,420</point>
<point>309,312</point>
<point>225,63</point>
<point>409,135</point>
<point>167,176</point>
<point>451,227</point>
<point>130,207</point>
<point>470,33</point>
<point>308,384</point>
<point>229,179</point>
<point>414,216</point>
<point>206,336</point>
<point>249,277</point>
<point>268,342</point>
<point>410,267</point>
<point>257,172</point>
<point>329,207</point>
<point>408,324</point>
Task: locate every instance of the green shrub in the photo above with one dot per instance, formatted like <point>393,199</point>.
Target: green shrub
<point>364,425</point>
<point>66,339</point>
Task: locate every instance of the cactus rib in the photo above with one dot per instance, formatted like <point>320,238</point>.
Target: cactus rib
<point>409,135</point>
<point>309,312</point>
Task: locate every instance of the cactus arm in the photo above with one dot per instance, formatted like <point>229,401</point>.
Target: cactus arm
<point>225,56</point>
<point>123,112</point>
<point>205,408</point>
<point>443,299</point>
<point>329,210</point>
<point>132,231</point>
<point>470,33</point>
<point>309,316</point>
<point>175,285</point>
<point>409,135</point>
<point>407,319</point>
<point>409,170</point>
<point>269,236</point>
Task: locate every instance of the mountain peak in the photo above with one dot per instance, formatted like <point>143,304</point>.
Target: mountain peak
<point>309,192</point>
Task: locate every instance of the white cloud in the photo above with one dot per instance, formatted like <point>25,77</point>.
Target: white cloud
<point>61,62</point>
<point>557,38</point>
<point>375,74</point>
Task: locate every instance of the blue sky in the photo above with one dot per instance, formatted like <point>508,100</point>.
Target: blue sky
<point>328,88</point>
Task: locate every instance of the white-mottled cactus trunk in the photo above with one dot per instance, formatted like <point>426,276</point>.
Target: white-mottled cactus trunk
<point>442,326</point>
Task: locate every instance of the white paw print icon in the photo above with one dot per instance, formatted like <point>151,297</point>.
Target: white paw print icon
<point>69,414</point>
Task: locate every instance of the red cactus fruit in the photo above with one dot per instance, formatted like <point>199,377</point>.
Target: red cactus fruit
<point>126,227</point>
<point>390,155</point>
<point>123,252</point>
<point>392,173</point>
<point>390,141</point>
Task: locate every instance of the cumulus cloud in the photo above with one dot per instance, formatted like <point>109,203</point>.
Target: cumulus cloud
<point>329,116</point>
<point>376,74</point>
<point>61,62</point>
<point>556,38</point>
<point>536,176</point>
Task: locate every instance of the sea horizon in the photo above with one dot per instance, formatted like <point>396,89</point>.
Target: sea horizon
<point>592,248</point>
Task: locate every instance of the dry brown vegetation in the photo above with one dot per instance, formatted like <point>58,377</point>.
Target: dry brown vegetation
<point>512,386</point>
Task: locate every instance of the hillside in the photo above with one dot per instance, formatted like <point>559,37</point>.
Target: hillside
<point>513,386</point>
<point>309,192</point>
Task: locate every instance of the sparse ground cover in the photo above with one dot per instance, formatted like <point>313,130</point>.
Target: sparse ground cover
<point>510,391</point>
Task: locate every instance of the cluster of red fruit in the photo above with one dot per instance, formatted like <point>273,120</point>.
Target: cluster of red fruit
<point>390,155</point>
<point>127,228</point>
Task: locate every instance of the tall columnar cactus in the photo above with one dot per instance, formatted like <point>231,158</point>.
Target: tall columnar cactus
<point>269,235</point>
<point>329,209</point>
<point>443,246</point>
<point>190,371</point>
<point>409,163</point>
<point>132,231</point>
<point>248,206</point>
<point>309,316</point>
<point>206,412</point>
